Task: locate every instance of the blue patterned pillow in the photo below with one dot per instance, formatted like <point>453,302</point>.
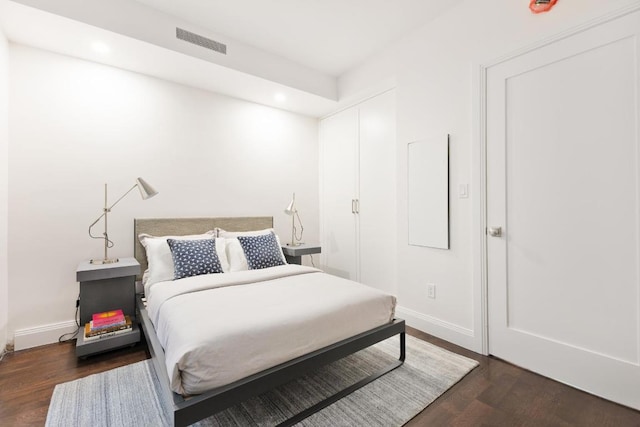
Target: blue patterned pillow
<point>194,257</point>
<point>261,251</point>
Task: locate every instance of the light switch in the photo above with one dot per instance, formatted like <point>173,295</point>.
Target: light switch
<point>463,191</point>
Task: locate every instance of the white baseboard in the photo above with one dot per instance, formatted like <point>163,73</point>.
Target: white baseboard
<point>442,329</point>
<point>41,335</point>
<point>48,334</point>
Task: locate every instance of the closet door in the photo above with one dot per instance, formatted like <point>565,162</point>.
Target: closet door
<point>339,145</point>
<point>377,192</point>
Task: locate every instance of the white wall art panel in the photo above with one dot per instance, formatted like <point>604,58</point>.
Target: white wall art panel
<point>428,188</point>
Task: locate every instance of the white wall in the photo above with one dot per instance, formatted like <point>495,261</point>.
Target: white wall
<point>4,165</point>
<point>434,72</point>
<point>75,125</point>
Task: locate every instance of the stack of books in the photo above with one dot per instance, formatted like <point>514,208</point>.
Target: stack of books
<point>107,324</point>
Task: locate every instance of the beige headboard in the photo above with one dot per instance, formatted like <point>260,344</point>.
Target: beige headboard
<point>185,226</point>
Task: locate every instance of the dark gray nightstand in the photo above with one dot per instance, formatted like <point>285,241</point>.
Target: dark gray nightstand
<point>106,287</point>
<point>294,254</point>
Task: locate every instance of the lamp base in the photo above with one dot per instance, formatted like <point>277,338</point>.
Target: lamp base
<point>104,261</point>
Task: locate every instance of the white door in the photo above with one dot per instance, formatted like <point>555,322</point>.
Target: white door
<point>377,192</point>
<point>563,184</point>
<point>339,147</point>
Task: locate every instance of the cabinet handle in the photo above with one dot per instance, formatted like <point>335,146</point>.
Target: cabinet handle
<point>355,206</point>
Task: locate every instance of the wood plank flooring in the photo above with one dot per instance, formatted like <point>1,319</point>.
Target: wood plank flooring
<point>497,393</point>
<point>494,394</point>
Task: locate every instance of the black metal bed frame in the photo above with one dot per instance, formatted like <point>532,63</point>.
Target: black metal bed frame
<point>189,410</point>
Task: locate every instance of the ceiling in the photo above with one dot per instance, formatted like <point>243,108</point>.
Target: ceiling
<point>286,54</point>
<point>331,36</point>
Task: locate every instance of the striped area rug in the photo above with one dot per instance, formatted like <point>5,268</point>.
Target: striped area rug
<point>127,396</point>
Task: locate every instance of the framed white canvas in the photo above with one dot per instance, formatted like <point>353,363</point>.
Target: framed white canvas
<point>428,188</point>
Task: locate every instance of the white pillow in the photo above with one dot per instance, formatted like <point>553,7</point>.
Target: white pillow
<point>160,261</point>
<point>235,258</point>
<point>223,233</point>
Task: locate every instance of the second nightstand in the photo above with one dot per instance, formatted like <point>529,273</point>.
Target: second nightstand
<point>294,254</point>
<point>105,287</point>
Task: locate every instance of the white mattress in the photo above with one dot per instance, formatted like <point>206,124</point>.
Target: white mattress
<point>219,328</point>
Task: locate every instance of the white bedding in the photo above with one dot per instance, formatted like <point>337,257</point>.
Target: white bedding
<point>219,328</point>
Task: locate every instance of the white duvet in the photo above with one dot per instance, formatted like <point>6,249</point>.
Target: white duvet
<point>219,328</point>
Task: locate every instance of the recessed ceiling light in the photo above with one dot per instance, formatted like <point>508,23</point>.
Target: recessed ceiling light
<point>100,47</point>
<point>279,97</point>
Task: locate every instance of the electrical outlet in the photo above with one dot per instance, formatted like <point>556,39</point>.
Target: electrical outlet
<point>431,290</point>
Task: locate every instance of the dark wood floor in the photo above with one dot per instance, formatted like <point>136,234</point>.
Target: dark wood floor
<point>497,393</point>
<point>494,394</point>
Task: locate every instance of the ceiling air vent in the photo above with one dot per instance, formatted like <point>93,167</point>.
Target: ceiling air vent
<point>194,38</point>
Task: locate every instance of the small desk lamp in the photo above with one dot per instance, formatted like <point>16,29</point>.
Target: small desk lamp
<point>146,191</point>
<point>291,210</point>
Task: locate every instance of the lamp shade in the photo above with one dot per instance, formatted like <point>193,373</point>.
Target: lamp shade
<point>146,190</point>
<point>291,209</point>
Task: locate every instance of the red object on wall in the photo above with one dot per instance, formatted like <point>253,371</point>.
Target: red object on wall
<point>539,6</point>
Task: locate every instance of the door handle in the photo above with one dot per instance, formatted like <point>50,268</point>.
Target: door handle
<point>495,231</point>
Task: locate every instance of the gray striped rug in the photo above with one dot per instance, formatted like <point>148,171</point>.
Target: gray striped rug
<point>127,396</point>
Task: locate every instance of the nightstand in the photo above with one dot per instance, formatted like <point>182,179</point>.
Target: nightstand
<point>106,287</point>
<point>293,254</point>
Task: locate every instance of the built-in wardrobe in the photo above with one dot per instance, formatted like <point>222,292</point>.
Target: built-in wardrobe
<point>358,195</point>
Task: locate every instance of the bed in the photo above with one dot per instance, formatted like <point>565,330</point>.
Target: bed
<point>218,339</point>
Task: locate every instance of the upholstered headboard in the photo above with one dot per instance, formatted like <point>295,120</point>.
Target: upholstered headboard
<point>185,226</point>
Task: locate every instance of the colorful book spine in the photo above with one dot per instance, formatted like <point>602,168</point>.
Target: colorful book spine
<point>106,326</point>
<point>107,335</point>
<point>91,332</point>
<point>107,318</point>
